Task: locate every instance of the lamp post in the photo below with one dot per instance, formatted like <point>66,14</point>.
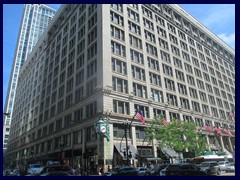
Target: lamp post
<point>61,144</point>
<point>127,128</point>
<point>32,152</point>
<point>72,137</point>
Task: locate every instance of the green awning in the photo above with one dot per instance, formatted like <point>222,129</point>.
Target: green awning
<point>153,159</point>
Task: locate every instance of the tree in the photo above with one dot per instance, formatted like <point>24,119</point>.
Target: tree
<point>178,135</point>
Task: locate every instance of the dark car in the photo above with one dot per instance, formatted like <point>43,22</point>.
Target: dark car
<point>183,169</point>
<point>211,168</point>
<point>156,170</point>
<point>56,173</point>
<point>124,171</point>
<point>54,168</point>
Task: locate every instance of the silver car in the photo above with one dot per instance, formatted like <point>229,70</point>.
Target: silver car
<point>230,167</point>
<point>223,165</point>
<point>210,168</point>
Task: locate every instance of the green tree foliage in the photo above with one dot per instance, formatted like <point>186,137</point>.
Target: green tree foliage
<point>178,135</point>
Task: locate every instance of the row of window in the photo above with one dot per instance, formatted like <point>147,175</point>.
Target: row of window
<point>132,14</point>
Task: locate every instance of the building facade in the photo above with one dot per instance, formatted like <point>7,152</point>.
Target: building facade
<point>106,60</point>
<point>35,19</point>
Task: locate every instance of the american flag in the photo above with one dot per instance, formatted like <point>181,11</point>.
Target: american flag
<point>160,117</point>
<point>165,121</point>
<point>218,130</point>
<point>208,127</point>
<point>232,115</point>
<point>139,115</point>
<point>226,130</point>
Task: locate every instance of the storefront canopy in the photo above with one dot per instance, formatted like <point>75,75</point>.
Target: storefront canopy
<point>121,147</point>
<point>169,152</point>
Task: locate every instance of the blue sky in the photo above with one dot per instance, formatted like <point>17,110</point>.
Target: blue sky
<point>219,18</point>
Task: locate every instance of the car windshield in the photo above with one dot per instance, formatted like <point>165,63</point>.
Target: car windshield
<point>35,166</point>
<point>38,170</point>
<point>204,165</point>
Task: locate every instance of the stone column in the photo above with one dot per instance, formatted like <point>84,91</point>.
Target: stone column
<point>221,143</point>
<point>209,148</point>
<point>230,143</point>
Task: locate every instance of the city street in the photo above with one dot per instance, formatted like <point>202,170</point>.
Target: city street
<point>227,174</point>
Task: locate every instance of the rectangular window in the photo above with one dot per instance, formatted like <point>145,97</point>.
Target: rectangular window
<point>153,64</point>
<point>119,66</point>
<point>169,84</point>
<point>157,95</point>
<point>135,42</point>
<point>118,49</point>
<point>117,33</point>
<point>120,85</point>
<point>155,79</point>
<point>121,107</point>
<point>139,90</point>
<point>134,28</point>
<point>138,73</point>
<point>116,18</point>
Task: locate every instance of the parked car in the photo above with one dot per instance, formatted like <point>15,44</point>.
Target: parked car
<point>124,171</point>
<point>35,173</point>
<point>56,173</point>
<point>141,171</point>
<point>16,172</point>
<point>156,170</point>
<point>54,168</point>
<point>223,165</point>
<point>148,171</point>
<point>230,167</point>
<point>183,169</point>
<point>33,167</point>
<point>211,168</point>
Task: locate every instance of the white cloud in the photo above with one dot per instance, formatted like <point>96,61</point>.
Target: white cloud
<point>228,39</point>
<point>218,15</point>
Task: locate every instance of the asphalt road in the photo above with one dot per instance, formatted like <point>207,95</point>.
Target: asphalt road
<point>227,174</point>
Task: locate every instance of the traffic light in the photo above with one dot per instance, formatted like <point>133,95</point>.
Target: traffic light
<point>130,154</point>
<point>124,153</point>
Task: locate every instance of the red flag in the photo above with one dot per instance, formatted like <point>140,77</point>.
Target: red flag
<point>218,130</point>
<point>232,115</point>
<point>165,122</point>
<point>140,116</point>
<point>228,132</point>
<point>208,128</point>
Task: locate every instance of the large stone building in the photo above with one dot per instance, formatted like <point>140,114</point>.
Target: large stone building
<point>35,19</point>
<point>98,58</point>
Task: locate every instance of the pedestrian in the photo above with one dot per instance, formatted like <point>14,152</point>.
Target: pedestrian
<point>109,170</point>
<point>102,170</point>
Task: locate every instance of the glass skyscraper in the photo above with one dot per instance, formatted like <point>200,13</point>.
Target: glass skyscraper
<point>35,19</point>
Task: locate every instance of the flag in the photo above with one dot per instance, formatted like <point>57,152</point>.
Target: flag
<point>139,115</point>
<point>160,117</point>
<point>208,127</point>
<point>226,130</point>
<point>165,121</point>
<point>218,130</point>
<point>231,115</point>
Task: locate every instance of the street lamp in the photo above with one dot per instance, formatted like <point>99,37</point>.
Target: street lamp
<point>127,129</point>
<point>61,144</point>
<point>102,126</point>
<point>72,137</point>
<point>32,152</point>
